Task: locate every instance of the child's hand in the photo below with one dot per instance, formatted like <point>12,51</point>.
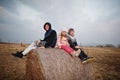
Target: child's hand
<point>37,42</point>
<point>77,47</point>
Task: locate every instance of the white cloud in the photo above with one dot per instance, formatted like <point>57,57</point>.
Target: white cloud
<point>27,13</point>
<point>23,25</point>
<point>94,21</point>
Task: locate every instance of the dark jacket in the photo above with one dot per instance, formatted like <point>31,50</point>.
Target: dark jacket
<point>50,38</point>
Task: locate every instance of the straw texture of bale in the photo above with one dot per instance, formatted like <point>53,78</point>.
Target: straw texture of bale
<point>56,64</point>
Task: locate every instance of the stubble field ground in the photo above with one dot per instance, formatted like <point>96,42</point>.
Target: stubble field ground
<point>106,64</point>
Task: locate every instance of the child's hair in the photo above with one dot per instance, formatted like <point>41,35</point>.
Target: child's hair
<point>47,23</point>
<point>64,35</point>
<point>71,29</point>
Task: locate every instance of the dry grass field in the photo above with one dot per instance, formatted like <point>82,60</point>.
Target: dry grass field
<point>106,64</point>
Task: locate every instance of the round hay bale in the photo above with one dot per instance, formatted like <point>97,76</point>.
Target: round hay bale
<point>56,64</point>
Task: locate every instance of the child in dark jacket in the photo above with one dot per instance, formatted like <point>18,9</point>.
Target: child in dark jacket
<point>73,44</point>
<point>48,41</point>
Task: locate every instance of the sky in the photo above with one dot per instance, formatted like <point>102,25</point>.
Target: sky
<point>95,21</point>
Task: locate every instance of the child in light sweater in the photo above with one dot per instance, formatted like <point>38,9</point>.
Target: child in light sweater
<point>62,42</point>
<point>73,44</point>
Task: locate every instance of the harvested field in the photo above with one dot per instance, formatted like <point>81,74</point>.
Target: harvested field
<point>106,64</point>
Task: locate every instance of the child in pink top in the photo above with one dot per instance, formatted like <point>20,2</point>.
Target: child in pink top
<point>62,42</point>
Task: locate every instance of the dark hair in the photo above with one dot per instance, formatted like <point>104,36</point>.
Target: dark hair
<point>47,23</point>
<point>71,29</point>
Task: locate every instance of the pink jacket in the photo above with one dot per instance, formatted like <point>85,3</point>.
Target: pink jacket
<point>62,41</point>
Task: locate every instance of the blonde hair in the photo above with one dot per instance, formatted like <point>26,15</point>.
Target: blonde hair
<point>63,35</point>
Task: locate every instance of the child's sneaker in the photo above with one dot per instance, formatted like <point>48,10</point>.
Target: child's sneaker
<point>18,54</point>
<point>87,60</point>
